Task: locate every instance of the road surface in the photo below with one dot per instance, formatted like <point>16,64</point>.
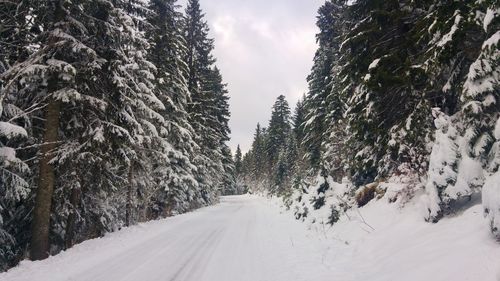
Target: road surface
<point>242,238</point>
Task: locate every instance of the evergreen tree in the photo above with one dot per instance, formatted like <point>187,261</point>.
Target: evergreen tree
<point>279,129</point>
<point>277,141</point>
<point>175,173</point>
<point>298,120</point>
<point>461,57</point>
<point>14,187</point>
<point>481,109</point>
<point>240,170</point>
<point>97,132</point>
<point>15,190</point>
<point>104,116</point>
<point>387,87</point>
<point>258,158</point>
<point>237,161</point>
<point>47,77</point>
<point>317,110</point>
<point>208,109</point>
<point>228,183</point>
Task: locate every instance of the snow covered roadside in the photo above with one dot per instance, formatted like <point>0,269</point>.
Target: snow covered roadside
<point>383,241</point>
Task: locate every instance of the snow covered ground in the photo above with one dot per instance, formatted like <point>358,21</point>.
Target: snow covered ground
<point>383,242</point>
<point>248,238</point>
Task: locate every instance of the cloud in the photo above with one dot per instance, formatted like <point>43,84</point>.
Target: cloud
<point>264,49</point>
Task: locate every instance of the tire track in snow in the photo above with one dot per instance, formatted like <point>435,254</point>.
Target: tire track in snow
<point>198,258</point>
<point>241,239</point>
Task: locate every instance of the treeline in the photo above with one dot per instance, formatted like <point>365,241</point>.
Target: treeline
<point>400,91</point>
<point>112,112</point>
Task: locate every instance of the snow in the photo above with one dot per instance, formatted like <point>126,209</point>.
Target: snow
<point>491,188</point>
<point>9,130</point>
<point>449,36</point>
<point>491,197</point>
<point>7,154</point>
<point>383,241</point>
<point>492,41</point>
<point>442,159</point>
<point>246,238</point>
<point>431,27</point>
<point>488,18</point>
<point>243,238</point>
<point>497,129</point>
<point>447,87</point>
<point>386,243</point>
<point>373,64</point>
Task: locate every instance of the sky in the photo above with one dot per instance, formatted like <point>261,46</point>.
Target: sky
<point>264,48</point>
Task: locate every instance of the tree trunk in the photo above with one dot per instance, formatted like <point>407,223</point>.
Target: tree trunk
<point>128,208</point>
<point>41,214</point>
<point>71,222</point>
<point>40,246</point>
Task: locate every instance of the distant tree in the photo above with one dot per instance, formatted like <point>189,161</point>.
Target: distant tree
<point>238,161</point>
<point>279,129</point>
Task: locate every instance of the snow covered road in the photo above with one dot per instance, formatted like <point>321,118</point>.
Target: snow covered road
<point>243,238</point>
<point>246,238</point>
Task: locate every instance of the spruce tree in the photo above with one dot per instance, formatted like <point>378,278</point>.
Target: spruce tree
<point>15,190</point>
<point>208,110</point>
<point>386,87</point>
<point>47,78</point>
<point>317,110</point>
<point>458,59</point>
<point>481,109</point>
<point>258,158</point>
<point>228,185</point>
<point>100,116</point>
<point>14,186</point>
<point>103,115</point>
<point>279,129</point>
<point>174,173</point>
<point>237,161</point>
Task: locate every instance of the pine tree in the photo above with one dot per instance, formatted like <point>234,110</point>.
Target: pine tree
<point>174,173</point>
<point>240,170</point>
<point>14,187</point>
<point>237,161</point>
<point>47,77</point>
<point>277,140</point>
<point>89,140</point>
<point>317,111</point>
<point>457,54</point>
<point>386,87</point>
<point>258,158</point>
<point>102,115</point>
<point>298,120</point>
<point>279,128</point>
<point>228,184</point>
<point>18,27</point>
<point>208,110</point>
<point>481,93</point>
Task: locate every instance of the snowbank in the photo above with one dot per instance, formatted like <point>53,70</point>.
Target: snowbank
<point>391,241</point>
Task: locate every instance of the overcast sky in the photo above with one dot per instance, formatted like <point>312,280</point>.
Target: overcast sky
<point>264,48</point>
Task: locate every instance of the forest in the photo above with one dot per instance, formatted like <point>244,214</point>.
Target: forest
<point>401,93</point>
<point>112,113</point>
<point>115,124</point>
